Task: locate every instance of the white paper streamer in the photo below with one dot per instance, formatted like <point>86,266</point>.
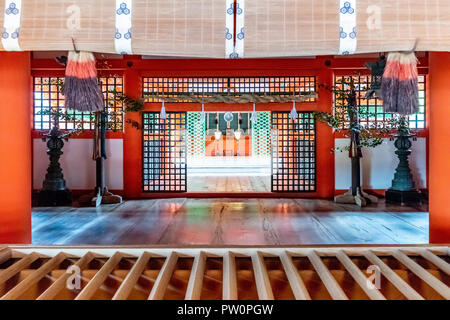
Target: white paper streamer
<point>229,29</point>
<point>123,34</point>
<point>11,25</point>
<point>347,27</point>
<point>240,31</point>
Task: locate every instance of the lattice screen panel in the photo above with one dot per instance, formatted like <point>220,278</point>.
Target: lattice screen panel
<point>164,152</point>
<point>47,96</point>
<point>206,85</point>
<point>196,135</point>
<point>261,145</point>
<point>376,117</point>
<point>293,153</point>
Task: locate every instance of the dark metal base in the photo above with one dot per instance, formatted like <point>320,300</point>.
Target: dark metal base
<point>403,197</point>
<point>49,198</point>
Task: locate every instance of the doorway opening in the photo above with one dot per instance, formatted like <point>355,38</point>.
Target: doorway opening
<point>229,152</point>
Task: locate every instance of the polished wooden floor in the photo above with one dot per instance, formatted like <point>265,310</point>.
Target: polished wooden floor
<point>230,222</point>
<point>226,184</point>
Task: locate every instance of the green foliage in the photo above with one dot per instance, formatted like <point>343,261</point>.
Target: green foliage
<point>371,134</point>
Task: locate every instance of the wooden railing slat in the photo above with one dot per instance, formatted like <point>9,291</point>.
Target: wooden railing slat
<point>100,277</point>
<point>34,277</point>
<point>358,275</point>
<point>229,286</point>
<point>394,278</point>
<point>295,281</point>
<point>132,277</point>
<point>61,282</point>
<point>261,277</point>
<point>434,259</point>
<point>18,266</point>
<point>423,274</point>
<point>194,288</point>
<point>334,289</point>
<point>160,286</point>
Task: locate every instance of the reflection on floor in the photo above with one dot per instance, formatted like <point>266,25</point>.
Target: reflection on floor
<point>229,174</point>
<point>231,222</point>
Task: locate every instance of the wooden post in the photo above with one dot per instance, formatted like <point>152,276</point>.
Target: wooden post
<point>132,141</point>
<point>439,147</point>
<point>15,142</point>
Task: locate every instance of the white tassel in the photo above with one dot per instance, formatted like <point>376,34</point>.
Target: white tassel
<point>254,117</point>
<point>203,114</point>
<point>163,114</point>
<point>293,115</point>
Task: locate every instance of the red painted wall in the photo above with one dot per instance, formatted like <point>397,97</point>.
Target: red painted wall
<point>439,147</point>
<point>15,143</point>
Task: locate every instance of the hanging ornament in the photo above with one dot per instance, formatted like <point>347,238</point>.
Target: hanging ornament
<point>163,114</point>
<point>399,83</point>
<point>376,74</point>
<point>203,114</point>
<point>82,91</point>
<point>254,117</point>
<point>293,115</point>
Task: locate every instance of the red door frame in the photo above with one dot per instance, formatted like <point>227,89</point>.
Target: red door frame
<point>133,68</point>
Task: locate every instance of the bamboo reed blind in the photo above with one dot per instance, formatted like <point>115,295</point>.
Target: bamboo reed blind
<point>196,28</point>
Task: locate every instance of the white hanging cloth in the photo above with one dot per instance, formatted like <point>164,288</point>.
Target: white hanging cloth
<point>203,114</point>
<point>163,114</point>
<point>293,115</point>
<point>254,117</point>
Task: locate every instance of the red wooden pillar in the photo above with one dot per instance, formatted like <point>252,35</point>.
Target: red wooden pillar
<point>439,147</point>
<point>15,144</point>
<point>325,138</point>
<point>132,142</point>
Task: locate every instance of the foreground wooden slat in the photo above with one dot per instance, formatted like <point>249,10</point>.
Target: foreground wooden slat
<point>328,280</point>
<point>261,277</point>
<point>34,277</point>
<point>394,278</point>
<point>229,289</point>
<point>359,276</point>
<point>100,277</point>
<point>18,266</point>
<point>423,274</point>
<point>434,259</point>
<point>61,282</point>
<point>159,288</point>
<point>194,288</point>
<point>5,255</point>
<point>132,277</point>
<point>295,281</point>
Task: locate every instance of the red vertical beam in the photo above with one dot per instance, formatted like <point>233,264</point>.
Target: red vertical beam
<point>132,141</point>
<point>15,143</point>
<point>439,147</point>
<point>325,137</point>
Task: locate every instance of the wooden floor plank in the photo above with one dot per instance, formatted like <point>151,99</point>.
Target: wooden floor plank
<point>398,282</point>
<point>219,221</point>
